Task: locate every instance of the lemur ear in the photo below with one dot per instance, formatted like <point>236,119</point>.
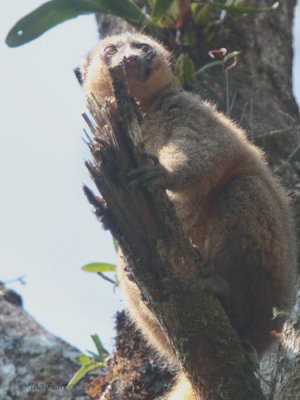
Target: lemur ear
<point>79,75</point>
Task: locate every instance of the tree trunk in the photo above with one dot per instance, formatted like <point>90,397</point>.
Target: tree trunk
<point>262,102</point>
<point>34,364</point>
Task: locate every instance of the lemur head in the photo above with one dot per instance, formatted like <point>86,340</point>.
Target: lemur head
<point>146,62</point>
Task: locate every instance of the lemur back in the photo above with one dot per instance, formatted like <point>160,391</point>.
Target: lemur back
<point>230,204</point>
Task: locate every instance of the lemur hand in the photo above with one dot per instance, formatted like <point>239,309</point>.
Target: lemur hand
<point>149,175</point>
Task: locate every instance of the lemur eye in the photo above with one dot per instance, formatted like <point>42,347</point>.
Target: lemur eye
<point>110,50</point>
<point>145,47</point>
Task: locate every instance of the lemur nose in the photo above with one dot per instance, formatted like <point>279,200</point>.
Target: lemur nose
<point>130,59</point>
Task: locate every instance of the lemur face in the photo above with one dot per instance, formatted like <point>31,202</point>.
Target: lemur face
<point>137,57</point>
<point>146,64</point>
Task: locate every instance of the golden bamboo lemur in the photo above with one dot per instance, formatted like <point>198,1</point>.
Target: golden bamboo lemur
<point>225,195</point>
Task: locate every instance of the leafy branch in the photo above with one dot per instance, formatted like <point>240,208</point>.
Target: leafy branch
<point>238,11</point>
<point>99,268</point>
<point>97,361</point>
<point>55,12</point>
<point>233,55</point>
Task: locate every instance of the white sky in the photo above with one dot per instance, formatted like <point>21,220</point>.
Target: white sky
<point>47,230</point>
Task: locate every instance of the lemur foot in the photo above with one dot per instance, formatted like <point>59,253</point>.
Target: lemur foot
<point>211,280</point>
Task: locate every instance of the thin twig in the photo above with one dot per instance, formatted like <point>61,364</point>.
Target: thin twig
<point>89,123</point>
<point>106,278</point>
<point>227,91</point>
<point>278,131</point>
<point>19,279</point>
<point>286,162</point>
<point>293,153</point>
<point>243,112</point>
<point>232,102</point>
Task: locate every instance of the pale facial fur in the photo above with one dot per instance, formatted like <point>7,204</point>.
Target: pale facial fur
<point>145,77</point>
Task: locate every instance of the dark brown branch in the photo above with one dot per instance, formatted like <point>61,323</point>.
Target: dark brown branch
<point>161,258</point>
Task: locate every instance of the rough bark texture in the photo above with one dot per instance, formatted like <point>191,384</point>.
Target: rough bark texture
<point>281,366</point>
<point>34,365</point>
<point>261,100</point>
<point>141,373</point>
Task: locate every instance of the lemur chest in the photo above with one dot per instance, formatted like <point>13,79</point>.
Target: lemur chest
<point>157,130</point>
<point>154,136</point>
<point>191,210</point>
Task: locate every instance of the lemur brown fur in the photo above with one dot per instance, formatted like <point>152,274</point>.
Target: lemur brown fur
<point>229,203</point>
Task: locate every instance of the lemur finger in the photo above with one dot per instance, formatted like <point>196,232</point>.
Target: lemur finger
<point>137,172</point>
<point>141,177</point>
<point>151,157</point>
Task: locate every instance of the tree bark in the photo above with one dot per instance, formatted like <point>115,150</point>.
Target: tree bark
<point>281,365</point>
<point>34,364</point>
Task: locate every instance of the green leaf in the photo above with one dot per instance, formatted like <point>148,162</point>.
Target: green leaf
<point>84,360</point>
<point>159,9</point>
<point>207,66</point>
<point>185,69</point>
<point>253,357</point>
<point>102,352</point>
<point>57,11</point>
<point>218,62</point>
<point>231,55</point>
<point>173,10</point>
<point>243,3</point>
<point>279,314</point>
<point>230,2</point>
<point>201,15</point>
<point>93,354</point>
<point>243,10</point>
<point>82,372</point>
<point>99,267</point>
<point>166,22</point>
<point>116,245</point>
<point>190,38</point>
